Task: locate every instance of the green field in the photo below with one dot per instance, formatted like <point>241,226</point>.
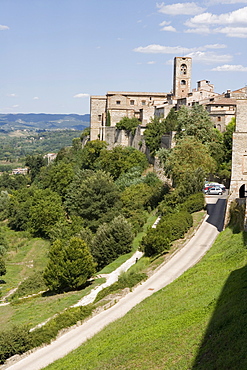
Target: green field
<point>197,322</point>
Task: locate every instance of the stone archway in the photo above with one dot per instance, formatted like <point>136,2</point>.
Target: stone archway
<point>242,191</point>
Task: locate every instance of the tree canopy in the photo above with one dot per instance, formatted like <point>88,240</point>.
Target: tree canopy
<point>70,265</point>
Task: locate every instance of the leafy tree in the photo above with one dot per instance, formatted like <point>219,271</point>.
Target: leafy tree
<point>45,211</point>
<point>35,210</point>
<point>153,133</point>
<point>108,119</point>
<point>121,159</point>
<point>70,265</point>
<point>171,121</point>
<point>186,157</point>
<point>90,153</point>
<point>128,124</point>
<point>57,177</point>
<point>35,163</point>
<point>94,197</point>
<point>227,139</point>
<point>112,240</point>
<point>195,122</point>
<point>2,267</point>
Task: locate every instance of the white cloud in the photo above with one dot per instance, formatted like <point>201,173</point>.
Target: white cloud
<point>13,95</point>
<point>203,54</point>
<point>81,95</point>
<point>15,106</point>
<point>230,68</point>
<point>209,57</point>
<point>214,2</point>
<point>159,49</point>
<point>35,98</point>
<point>240,32</point>
<point>180,8</point>
<point>3,28</point>
<point>236,17</point>
<point>151,62</point>
<point>169,29</point>
<point>164,23</point>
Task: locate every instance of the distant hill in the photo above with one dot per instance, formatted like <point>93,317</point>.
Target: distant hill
<point>43,121</point>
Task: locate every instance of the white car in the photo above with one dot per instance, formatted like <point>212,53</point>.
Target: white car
<point>215,190</point>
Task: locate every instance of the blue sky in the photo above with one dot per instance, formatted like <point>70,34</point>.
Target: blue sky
<point>56,53</point>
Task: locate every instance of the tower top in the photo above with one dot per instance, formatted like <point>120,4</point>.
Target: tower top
<point>182,76</point>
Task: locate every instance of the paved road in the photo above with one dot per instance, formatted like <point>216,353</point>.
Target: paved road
<point>190,254</point>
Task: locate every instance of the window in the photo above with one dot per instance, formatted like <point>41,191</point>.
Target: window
<point>118,102</point>
<point>132,102</point>
<point>183,82</point>
<point>183,69</point>
<point>99,117</point>
<point>219,119</point>
<point>143,102</point>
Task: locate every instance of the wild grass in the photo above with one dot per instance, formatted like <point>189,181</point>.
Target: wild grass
<point>197,322</point>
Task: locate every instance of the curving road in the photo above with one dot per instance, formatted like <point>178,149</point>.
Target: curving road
<point>181,261</point>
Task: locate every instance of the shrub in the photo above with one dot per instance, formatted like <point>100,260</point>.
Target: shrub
<point>156,241</point>
<point>33,284</point>
<point>194,203</point>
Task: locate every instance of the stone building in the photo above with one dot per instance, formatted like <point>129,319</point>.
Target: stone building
<point>109,109</point>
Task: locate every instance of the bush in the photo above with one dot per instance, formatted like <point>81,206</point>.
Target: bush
<point>194,203</point>
<point>33,284</point>
<point>20,339</point>
<point>125,280</point>
<point>156,241</point>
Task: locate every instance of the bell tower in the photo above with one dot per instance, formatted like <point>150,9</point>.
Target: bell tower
<point>182,76</point>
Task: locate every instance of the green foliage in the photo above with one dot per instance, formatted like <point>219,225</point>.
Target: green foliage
<point>227,140</point>
<point>194,203</point>
<point>94,197</point>
<point>35,210</point>
<point>188,156</point>
<point>15,340</point>
<point>90,154</point>
<point>57,177</point>
<point>108,119</point>
<point>85,133</point>
<point>112,240</point>
<point>171,227</point>
<point>120,160</point>
<point>32,285</point>
<point>237,214</point>
<point>155,242</point>
<point>153,133</point>
<point>35,163</point>
<point>171,121</point>
<point>2,266</point>
<point>70,265</point>
<point>128,124</point>
<point>13,182</point>
<point>19,339</point>
<point>125,280</point>
<point>131,177</point>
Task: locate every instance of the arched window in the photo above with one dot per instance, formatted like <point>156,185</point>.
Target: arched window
<point>242,191</point>
<point>183,82</point>
<point>183,69</point>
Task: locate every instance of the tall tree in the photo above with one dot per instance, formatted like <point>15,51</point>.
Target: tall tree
<point>94,197</point>
<point>70,265</point>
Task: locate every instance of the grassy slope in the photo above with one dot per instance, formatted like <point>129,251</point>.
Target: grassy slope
<point>197,322</point>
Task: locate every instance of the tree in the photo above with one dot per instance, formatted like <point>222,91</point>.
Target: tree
<point>2,267</point>
<point>171,121</point>
<point>112,240</point>
<point>186,157</point>
<point>227,139</point>
<point>57,177</point>
<point>35,163</point>
<point>153,133</point>
<point>94,197</point>
<point>35,210</point>
<point>70,265</point>
<point>128,124</point>
<point>121,159</point>
<point>195,122</point>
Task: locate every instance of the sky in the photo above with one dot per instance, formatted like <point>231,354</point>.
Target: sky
<point>56,53</point>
